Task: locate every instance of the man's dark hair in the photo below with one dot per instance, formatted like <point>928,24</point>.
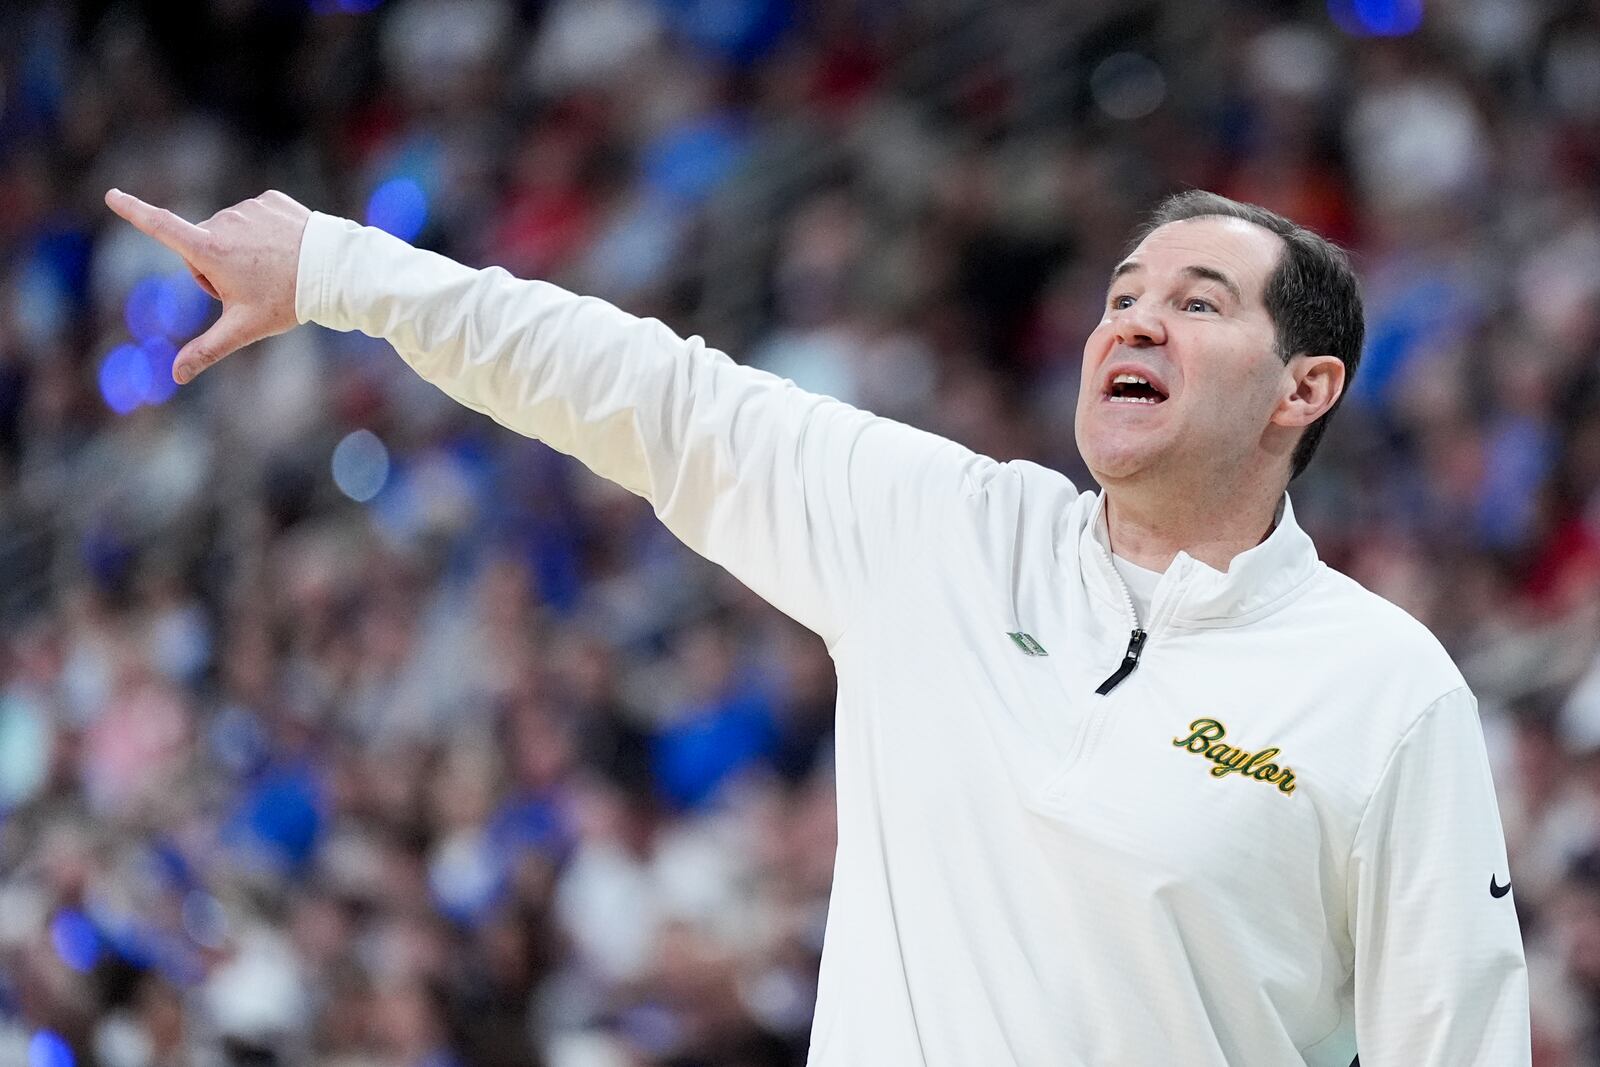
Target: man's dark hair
<point>1312,295</point>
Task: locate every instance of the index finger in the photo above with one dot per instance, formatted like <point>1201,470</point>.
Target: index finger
<point>181,236</point>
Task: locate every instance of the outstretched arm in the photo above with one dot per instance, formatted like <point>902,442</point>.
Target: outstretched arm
<point>805,499</point>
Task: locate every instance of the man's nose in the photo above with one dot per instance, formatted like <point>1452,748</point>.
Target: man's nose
<point>1139,325</point>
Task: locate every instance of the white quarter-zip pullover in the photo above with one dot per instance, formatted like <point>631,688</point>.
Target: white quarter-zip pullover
<point>1274,842</point>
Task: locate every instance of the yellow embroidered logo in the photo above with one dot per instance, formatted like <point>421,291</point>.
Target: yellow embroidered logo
<point>1205,738</point>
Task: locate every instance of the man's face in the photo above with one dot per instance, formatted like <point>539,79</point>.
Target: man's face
<point>1184,313</point>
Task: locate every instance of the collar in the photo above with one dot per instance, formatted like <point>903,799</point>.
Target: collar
<point>1193,594</point>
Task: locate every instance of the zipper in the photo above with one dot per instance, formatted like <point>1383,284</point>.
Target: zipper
<point>1089,736</point>
<point>1136,640</point>
<point>1130,660</point>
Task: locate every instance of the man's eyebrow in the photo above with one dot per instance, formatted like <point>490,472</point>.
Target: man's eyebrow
<point>1127,266</point>
<point>1210,274</point>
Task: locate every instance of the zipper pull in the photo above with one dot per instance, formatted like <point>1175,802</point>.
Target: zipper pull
<point>1130,660</point>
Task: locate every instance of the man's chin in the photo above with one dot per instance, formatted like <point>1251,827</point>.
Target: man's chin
<point>1121,472</point>
<point>1121,460</point>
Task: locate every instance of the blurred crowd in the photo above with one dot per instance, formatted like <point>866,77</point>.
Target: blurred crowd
<point>341,726</point>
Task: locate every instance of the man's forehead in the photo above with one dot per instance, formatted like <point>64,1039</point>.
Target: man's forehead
<point>1241,249</point>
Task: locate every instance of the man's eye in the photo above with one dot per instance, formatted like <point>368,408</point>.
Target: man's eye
<point>1196,303</point>
<point>1121,303</point>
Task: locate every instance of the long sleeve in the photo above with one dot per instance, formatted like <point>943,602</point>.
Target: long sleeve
<point>802,497</point>
<point>1440,975</point>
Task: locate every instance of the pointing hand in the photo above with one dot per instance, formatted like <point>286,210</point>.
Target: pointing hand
<point>247,256</point>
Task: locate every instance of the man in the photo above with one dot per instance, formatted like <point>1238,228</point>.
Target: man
<point>1127,778</point>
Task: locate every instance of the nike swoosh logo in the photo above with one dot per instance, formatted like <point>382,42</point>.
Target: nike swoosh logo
<point>1498,891</point>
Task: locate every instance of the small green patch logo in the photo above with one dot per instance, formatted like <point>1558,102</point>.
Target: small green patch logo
<point>1027,643</point>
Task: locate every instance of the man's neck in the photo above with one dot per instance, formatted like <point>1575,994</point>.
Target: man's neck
<point>1150,533</point>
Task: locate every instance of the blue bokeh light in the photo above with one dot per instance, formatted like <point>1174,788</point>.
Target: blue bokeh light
<point>75,939</point>
<point>144,311</point>
<point>133,375</point>
<point>125,379</point>
<point>399,206</point>
<point>190,307</point>
<point>136,375</point>
<point>172,306</point>
<point>159,354</point>
<point>48,1049</point>
<point>360,465</point>
<point>1376,18</point>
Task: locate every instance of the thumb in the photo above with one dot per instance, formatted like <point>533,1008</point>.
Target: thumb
<point>232,331</point>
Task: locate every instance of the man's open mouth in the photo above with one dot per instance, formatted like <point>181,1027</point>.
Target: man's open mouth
<point>1133,389</point>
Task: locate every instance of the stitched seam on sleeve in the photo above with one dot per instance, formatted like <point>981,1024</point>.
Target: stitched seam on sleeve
<point>1383,775</point>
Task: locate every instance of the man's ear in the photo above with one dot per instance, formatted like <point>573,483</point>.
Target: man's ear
<point>1317,383</point>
